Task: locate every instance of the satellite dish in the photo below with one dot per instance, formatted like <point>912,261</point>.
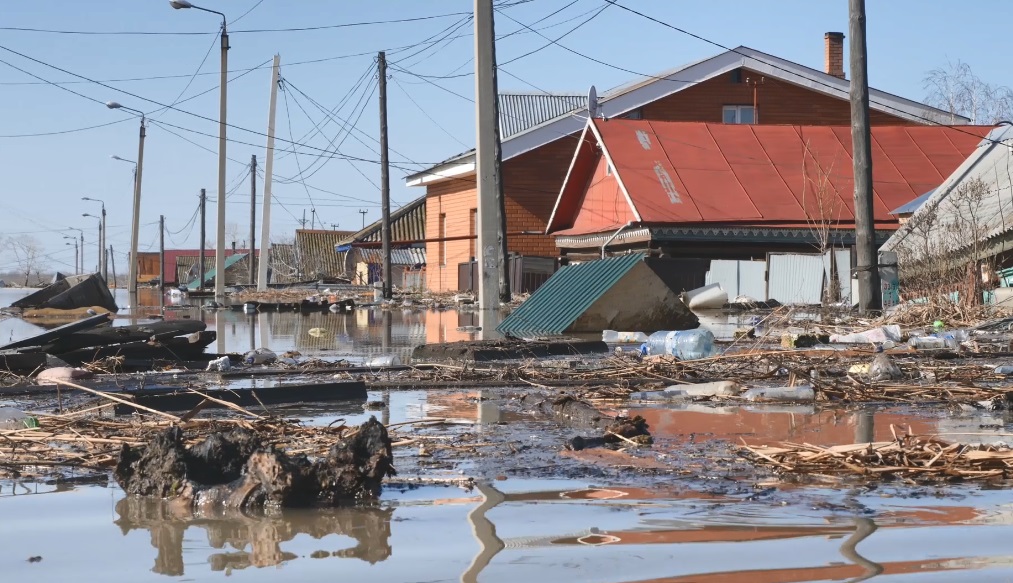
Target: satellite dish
<point>592,102</point>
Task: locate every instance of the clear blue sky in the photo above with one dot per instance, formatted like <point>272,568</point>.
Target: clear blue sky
<point>45,176</point>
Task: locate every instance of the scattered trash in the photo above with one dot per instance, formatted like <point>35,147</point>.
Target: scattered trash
<point>708,297</point>
<point>683,392</point>
<point>884,369</point>
<point>386,360</point>
<point>260,356</point>
<point>221,364</point>
<point>789,340</point>
<point>52,376</point>
<point>613,336</point>
<point>890,332</point>
<point>317,332</point>
<point>799,393</point>
<point>464,299</point>
<point>1005,369</point>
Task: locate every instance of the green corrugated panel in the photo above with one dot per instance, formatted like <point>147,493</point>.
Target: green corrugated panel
<point>566,295</point>
<point>209,274</point>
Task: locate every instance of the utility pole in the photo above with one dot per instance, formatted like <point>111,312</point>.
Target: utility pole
<point>136,220</point>
<point>265,224</point>
<point>870,296</point>
<point>161,259</point>
<point>334,226</point>
<point>493,286</point>
<point>109,256</point>
<point>363,213</point>
<point>203,236</point>
<point>384,177</point>
<point>82,251</point>
<point>112,258</point>
<point>313,224</point>
<point>253,218</point>
<point>303,222</point>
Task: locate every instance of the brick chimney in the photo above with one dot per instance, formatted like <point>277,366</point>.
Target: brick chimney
<point>833,52</point>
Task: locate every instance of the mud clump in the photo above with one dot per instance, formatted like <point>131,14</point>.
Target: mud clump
<point>237,470</point>
<point>578,413</point>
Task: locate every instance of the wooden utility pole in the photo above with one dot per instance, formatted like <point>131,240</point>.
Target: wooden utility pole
<point>265,225</point>
<point>493,286</point>
<point>203,237</point>
<point>253,220</point>
<point>384,178</point>
<point>870,296</point>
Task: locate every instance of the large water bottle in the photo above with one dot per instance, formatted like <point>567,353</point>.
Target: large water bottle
<point>684,344</point>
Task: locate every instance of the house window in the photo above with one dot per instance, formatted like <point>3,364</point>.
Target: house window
<point>443,239</point>
<point>635,114</point>
<point>472,232</point>
<point>738,114</point>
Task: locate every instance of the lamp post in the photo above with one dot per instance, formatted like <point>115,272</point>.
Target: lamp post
<point>101,238</point>
<point>74,239</point>
<point>135,224</point>
<point>220,245</point>
<point>103,257</point>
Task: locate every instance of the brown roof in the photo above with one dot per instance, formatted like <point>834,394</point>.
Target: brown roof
<point>315,250</point>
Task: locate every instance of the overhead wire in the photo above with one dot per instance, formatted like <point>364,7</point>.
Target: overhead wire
<point>426,114</point>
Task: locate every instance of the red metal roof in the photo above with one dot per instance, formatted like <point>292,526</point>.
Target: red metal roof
<point>747,175</point>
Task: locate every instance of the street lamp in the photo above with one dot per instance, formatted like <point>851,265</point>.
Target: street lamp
<point>135,226</point>
<point>74,239</point>
<point>220,246</point>
<point>101,238</point>
<point>103,257</point>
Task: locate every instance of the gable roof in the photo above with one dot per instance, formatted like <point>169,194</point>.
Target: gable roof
<point>910,207</point>
<point>625,99</point>
<point>940,224</point>
<point>752,175</point>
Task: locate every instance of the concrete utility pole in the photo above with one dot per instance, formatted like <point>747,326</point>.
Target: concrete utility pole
<point>363,213</point>
<point>313,223</point>
<point>384,178</point>
<point>161,260</point>
<point>870,296</point>
<point>265,225</point>
<point>493,286</point>
<point>112,259</point>
<point>253,219</point>
<point>203,237</point>
<point>136,222</point>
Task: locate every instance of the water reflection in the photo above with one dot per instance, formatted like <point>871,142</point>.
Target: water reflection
<point>256,538</point>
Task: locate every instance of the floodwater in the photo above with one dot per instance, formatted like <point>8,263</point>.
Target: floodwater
<point>614,525</point>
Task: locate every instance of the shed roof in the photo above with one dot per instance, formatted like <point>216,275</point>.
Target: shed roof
<point>407,223</point>
<point>570,292</point>
<point>701,173</point>
<point>622,100</point>
<point>520,111</point>
<point>910,207</point>
<point>315,249</point>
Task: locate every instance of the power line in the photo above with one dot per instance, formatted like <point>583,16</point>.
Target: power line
<point>199,67</point>
<point>243,15</point>
<point>242,31</point>
<point>429,117</point>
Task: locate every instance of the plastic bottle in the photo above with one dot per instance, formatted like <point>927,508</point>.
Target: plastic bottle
<point>613,336</point>
<point>11,418</point>
<point>684,344</point>
<point>1006,369</point>
<point>781,394</point>
<point>927,342</point>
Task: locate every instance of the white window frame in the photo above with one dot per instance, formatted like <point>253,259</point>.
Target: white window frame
<point>737,109</point>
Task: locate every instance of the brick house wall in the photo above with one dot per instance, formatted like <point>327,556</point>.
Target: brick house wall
<point>532,181</point>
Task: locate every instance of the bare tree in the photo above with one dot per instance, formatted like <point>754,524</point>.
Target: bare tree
<point>28,256</point>
<point>955,88</point>
<point>821,202</point>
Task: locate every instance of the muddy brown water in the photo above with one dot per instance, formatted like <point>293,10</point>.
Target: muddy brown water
<point>686,510</point>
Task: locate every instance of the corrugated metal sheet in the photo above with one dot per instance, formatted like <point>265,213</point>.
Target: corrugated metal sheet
<point>407,223</point>
<point>232,272</point>
<point>410,257</point>
<point>284,266</point>
<point>752,175</point>
<point>521,111</point>
<point>566,295</point>
<point>739,278</point>
<point>316,254</point>
<point>942,224</point>
<point>795,278</point>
